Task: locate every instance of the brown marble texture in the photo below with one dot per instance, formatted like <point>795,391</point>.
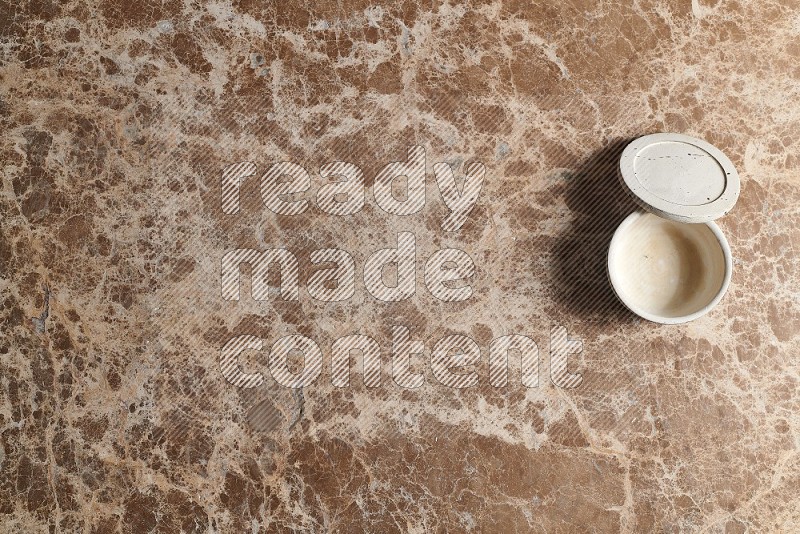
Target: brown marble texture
<point>116,120</point>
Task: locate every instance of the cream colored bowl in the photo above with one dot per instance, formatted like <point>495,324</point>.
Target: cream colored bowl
<point>667,271</point>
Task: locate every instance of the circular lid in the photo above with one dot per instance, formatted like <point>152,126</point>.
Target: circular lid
<point>679,177</point>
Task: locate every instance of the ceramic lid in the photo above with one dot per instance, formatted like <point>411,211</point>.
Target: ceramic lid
<point>679,177</point>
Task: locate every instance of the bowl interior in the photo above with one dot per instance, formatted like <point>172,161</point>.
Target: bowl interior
<point>668,271</point>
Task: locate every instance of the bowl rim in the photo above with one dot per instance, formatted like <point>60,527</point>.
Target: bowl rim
<point>615,282</point>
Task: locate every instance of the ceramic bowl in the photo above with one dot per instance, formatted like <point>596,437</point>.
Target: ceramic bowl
<point>668,271</point>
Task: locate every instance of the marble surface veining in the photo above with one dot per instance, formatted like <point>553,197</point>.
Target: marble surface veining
<point>117,119</point>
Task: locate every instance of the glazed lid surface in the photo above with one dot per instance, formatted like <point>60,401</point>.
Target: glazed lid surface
<point>679,177</point>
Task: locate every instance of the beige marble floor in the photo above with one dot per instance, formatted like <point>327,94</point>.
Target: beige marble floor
<point>118,119</point>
